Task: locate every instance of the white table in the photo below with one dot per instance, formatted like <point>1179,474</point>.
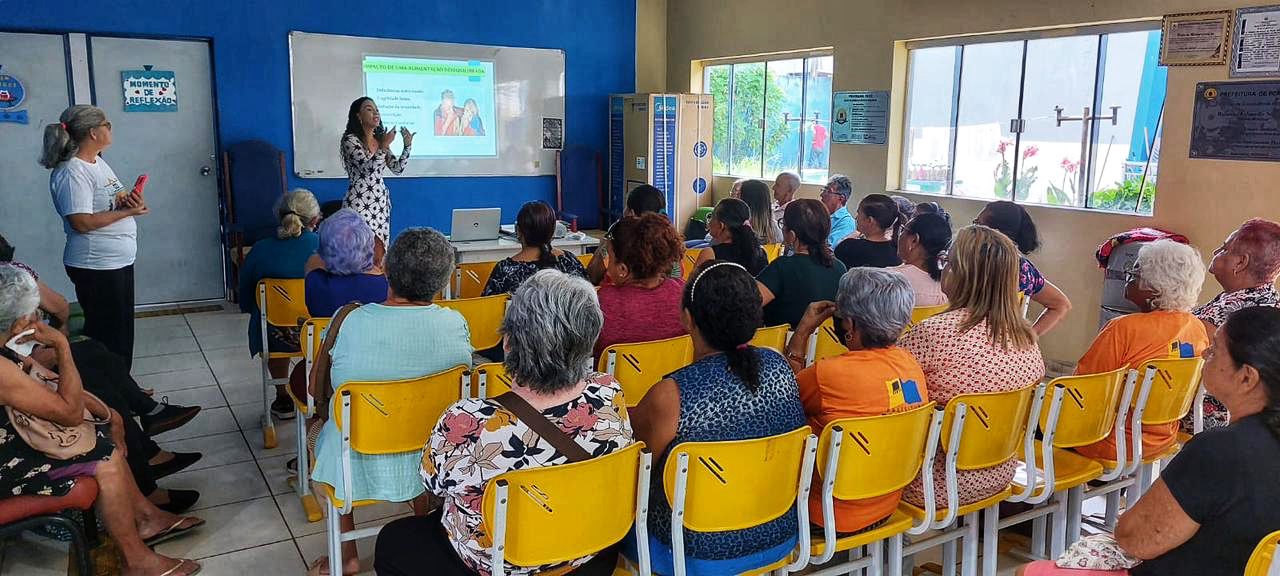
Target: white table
<point>505,247</point>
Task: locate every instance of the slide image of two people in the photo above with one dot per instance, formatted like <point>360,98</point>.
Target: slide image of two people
<point>454,120</point>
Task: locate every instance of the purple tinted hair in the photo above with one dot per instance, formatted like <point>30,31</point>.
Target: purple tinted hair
<point>346,243</point>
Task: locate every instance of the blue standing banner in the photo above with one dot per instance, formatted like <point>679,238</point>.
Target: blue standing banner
<point>617,194</point>
<point>664,147</point>
<point>149,90</point>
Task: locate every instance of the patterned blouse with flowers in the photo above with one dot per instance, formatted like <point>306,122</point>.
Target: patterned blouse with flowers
<point>477,439</point>
<point>1216,312</point>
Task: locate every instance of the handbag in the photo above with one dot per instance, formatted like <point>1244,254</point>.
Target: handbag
<point>539,424</point>
<point>320,385</point>
<point>1097,552</point>
<point>50,438</point>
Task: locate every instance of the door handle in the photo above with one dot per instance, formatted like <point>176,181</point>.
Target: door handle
<point>205,170</point>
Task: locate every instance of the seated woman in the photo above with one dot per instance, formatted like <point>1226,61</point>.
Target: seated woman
<point>878,222</point>
<point>732,238</point>
<point>641,301</point>
<point>284,256</point>
<point>921,245</point>
<point>343,270</point>
<point>535,227</point>
<point>1013,221</point>
<point>981,344</point>
<point>133,522</point>
<point>643,199</point>
<point>1218,497</point>
<point>810,273</point>
<point>732,391</point>
<point>1246,266</point>
<point>872,308</point>
<point>404,337</point>
<point>1164,284</point>
<point>759,200</point>
<point>707,241</point>
<point>549,372</point>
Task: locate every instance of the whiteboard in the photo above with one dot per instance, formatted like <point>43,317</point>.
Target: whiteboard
<point>326,73</point>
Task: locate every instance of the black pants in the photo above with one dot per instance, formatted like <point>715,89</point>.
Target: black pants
<point>418,545</point>
<point>107,299</point>
<point>105,374</point>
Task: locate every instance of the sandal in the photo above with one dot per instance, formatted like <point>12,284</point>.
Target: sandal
<point>181,564</point>
<point>174,531</point>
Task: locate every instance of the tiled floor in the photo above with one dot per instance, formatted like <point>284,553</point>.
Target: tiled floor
<point>255,524</point>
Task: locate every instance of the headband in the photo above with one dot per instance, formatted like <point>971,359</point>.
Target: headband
<point>693,289</point>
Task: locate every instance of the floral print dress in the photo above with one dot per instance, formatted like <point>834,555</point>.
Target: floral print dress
<point>366,192</point>
<point>1216,312</point>
<point>477,439</point>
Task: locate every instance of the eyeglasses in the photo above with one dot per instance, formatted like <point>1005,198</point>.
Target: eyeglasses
<point>106,125</point>
<point>1132,274</point>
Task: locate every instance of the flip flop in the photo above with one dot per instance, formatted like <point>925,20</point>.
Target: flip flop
<point>182,563</point>
<point>174,531</point>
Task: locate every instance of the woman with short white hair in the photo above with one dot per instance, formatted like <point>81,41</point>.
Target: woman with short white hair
<point>1164,283</point>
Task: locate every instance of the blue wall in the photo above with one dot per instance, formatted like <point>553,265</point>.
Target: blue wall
<point>251,68</point>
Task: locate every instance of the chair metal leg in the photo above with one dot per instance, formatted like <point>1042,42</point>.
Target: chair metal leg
<point>969,543</point>
<point>990,539</point>
<point>1058,533</point>
<point>1037,536</point>
<point>334,534</point>
<point>310,506</point>
<point>1113,510</point>
<point>949,558</point>
<point>1075,505</point>
<point>875,551</point>
<point>895,556</point>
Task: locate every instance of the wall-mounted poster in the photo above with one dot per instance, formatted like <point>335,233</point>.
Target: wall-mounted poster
<point>1195,39</point>
<point>1236,121</point>
<point>12,95</point>
<point>860,117</point>
<point>149,90</point>
<point>1255,47</point>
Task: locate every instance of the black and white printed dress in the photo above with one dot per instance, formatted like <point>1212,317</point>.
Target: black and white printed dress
<point>366,193</point>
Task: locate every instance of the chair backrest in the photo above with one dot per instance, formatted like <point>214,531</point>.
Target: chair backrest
<point>1088,412</point>
<point>484,318</point>
<point>640,365</point>
<point>772,251</point>
<point>878,454</point>
<point>921,313</point>
<point>1260,562</point>
<point>774,337</point>
<point>826,343</point>
<point>738,484</point>
<point>283,303</point>
<point>398,415</point>
<point>313,334</point>
<point>559,513</point>
<point>1174,386</point>
<point>993,427</point>
<point>585,259</point>
<point>471,279</point>
<point>690,257</point>
<point>495,379</point>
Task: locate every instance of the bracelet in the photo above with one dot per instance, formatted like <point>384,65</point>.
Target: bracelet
<point>802,358</point>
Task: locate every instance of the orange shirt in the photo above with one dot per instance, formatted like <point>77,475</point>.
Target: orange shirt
<point>859,383</point>
<point>1128,342</point>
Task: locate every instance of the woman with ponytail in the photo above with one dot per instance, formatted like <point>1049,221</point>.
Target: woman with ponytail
<point>810,273</point>
<point>733,239</point>
<point>921,244</point>
<point>97,214</point>
<point>879,223</point>
<point>535,227</point>
<point>732,391</point>
<point>284,256</point>
<point>1218,497</point>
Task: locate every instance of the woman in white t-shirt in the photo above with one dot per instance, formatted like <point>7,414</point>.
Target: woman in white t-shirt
<point>97,215</point>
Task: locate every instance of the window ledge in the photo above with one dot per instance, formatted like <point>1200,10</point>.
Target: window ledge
<point>985,201</point>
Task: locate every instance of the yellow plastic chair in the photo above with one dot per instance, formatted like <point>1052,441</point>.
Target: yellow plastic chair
<point>312,339</point>
<point>640,365</point>
<point>484,318</point>
<point>978,431</point>
<point>869,457</point>
<point>490,380</point>
<point>585,259</point>
<point>556,514</point>
<point>688,260</point>
<point>772,251</point>
<point>470,279</point>
<point>720,486</point>
<point>384,418</point>
<point>772,337</point>
<point>1082,411</point>
<point>824,343</point>
<point>1262,561</point>
<point>280,303</point>
<point>921,313</point>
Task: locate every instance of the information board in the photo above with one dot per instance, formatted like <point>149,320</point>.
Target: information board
<point>860,117</point>
<point>1236,121</point>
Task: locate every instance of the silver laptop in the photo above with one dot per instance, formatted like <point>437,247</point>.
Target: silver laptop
<point>475,224</point>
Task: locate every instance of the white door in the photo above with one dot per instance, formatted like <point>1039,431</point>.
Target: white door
<point>27,218</point>
<point>179,245</point>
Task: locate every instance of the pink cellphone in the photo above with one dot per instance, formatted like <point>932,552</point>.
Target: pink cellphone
<point>140,184</point>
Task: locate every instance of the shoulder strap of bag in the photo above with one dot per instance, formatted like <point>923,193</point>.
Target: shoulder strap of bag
<point>320,385</point>
<point>543,427</point>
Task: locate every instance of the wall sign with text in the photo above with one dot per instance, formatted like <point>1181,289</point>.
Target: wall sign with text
<point>149,90</point>
<point>1236,121</point>
<point>860,117</point>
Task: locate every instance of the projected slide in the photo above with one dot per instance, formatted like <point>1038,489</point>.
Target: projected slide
<point>448,103</point>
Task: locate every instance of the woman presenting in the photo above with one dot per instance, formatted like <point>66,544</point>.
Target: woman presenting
<point>97,214</point>
<point>365,153</point>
